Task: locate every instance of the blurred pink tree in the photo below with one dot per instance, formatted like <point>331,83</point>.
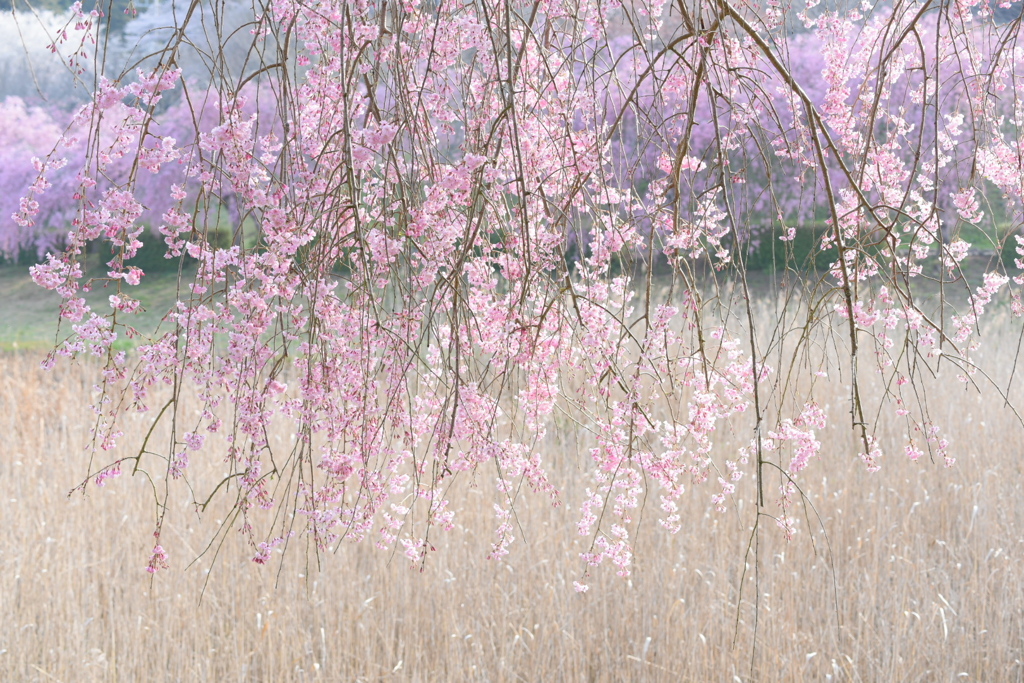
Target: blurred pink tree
<point>29,135</point>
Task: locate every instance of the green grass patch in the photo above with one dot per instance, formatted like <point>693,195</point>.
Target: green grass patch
<point>30,314</point>
<point>802,253</point>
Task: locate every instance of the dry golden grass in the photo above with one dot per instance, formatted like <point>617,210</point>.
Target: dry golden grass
<point>924,583</point>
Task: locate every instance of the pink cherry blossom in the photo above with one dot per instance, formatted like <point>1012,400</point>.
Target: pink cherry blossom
<point>424,245</point>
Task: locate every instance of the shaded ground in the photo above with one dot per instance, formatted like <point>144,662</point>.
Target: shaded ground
<point>29,313</point>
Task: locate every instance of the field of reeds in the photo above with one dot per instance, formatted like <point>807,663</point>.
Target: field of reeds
<point>912,573</point>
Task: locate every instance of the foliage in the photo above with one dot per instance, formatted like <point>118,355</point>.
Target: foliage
<point>416,174</point>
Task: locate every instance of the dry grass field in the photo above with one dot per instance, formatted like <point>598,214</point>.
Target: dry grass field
<point>924,582</point>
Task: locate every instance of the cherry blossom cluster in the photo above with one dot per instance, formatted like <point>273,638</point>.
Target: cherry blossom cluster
<point>446,224</point>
